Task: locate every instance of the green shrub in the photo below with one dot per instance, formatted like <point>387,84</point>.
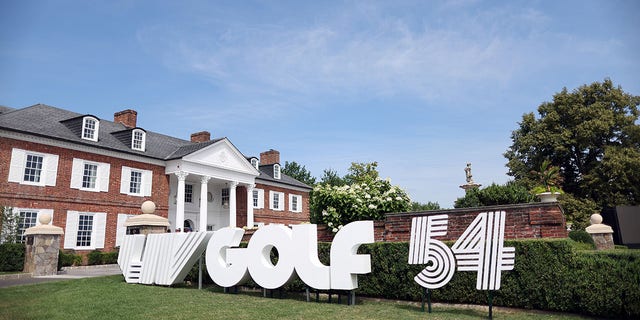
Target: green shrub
<point>582,236</point>
<point>68,259</point>
<point>110,257</point>
<point>509,193</point>
<point>12,256</point>
<point>94,258</point>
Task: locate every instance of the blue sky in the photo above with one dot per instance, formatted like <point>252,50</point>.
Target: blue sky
<point>421,87</point>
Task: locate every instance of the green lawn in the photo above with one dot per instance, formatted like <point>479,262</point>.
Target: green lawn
<point>112,298</point>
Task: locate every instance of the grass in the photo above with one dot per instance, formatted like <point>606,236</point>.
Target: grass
<point>112,298</point>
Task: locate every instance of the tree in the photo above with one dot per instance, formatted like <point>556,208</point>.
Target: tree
<point>336,206</point>
<point>362,172</point>
<point>331,177</point>
<point>9,225</point>
<point>417,206</point>
<point>592,135</point>
<point>298,172</point>
<point>495,194</point>
<point>359,195</point>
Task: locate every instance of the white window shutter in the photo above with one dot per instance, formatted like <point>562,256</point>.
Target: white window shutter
<point>271,196</point>
<point>291,202</point>
<point>260,199</point>
<point>125,179</point>
<point>147,178</point>
<point>121,230</point>
<point>16,168</point>
<point>103,176</point>
<point>50,169</point>
<point>77,170</point>
<point>71,230</point>
<point>44,211</point>
<point>99,227</point>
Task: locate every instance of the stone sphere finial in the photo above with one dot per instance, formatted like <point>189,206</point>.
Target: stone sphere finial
<point>44,219</point>
<point>148,207</point>
<point>596,218</point>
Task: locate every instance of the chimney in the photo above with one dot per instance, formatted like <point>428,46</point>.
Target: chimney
<point>201,136</point>
<point>126,117</point>
<point>269,157</point>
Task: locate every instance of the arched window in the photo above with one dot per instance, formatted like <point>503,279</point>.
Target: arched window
<point>138,139</point>
<point>90,127</point>
<point>276,171</point>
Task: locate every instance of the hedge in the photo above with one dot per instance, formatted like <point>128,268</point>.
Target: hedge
<point>12,257</point>
<point>548,275</point>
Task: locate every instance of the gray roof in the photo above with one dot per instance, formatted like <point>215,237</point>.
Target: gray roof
<point>47,121</point>
<point>51,122</point>
<point>4,109</point>
<point>266,173</point>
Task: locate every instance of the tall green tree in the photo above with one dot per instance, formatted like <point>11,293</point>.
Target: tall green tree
<point>332,178</point>
<point>362,172</point>
<point>417,206</point>
<point>592,134</point>
<point>298,172</point>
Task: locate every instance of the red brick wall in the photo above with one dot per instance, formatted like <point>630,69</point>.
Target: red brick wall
<point>267,215</point>
<point>523,221</point>
<point>61,197</point>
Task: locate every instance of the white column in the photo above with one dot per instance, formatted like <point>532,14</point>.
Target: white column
<point>250,205</point>
<point>203,202</point>
<point>232,203</point>
<point>180,200</point>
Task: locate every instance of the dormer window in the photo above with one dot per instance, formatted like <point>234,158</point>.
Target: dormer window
<point>90,127</point>
<point>276,171</point>
<point>255,163</point>
<point>138,139</point>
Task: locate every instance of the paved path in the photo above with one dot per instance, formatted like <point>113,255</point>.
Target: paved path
<point>66,273</point>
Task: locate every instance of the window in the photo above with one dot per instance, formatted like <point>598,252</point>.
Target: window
<point>276,201</point>
<point>276,171</point>
<point>85,228</point>
<point>90,176</point>
<point>258,198</point>
<point>138,140</point>
<point>90,128</point>
<point>225,197</point>
<point>27,220</point>
<point>136,182</point>
<point>255,163</point>
<point>33,168</point>
<point>188,193</point>
<point>295,203</point>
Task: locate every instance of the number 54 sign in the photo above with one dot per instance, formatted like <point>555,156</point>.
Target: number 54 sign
<point>479,249</point>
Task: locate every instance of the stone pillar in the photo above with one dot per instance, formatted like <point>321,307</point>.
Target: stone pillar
<point>180,201</point>
<point>232,203</point>
<point>250,205</point>
<point>203,202</point>
<point>602,234</point>
<point>43,247</point>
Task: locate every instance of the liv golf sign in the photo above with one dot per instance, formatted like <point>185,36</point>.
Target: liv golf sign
<point>165,259</point>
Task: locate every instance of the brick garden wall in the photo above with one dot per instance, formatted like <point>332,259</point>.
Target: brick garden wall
<point>523,221</point>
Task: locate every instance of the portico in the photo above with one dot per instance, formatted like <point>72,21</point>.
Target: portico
<point>204,185</point>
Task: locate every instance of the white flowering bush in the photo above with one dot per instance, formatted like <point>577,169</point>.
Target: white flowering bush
<point>336,206</point>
